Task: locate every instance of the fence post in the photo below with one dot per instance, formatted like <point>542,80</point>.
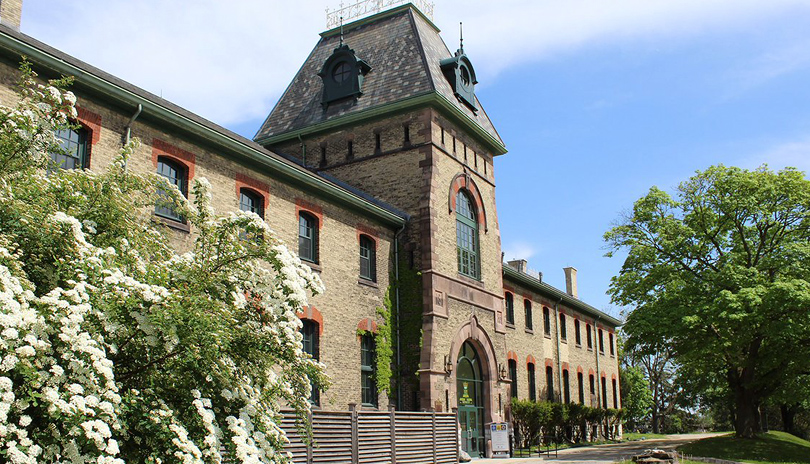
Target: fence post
<point>392,418</point>
<point>433,423</point>
<point>355,434</point>
<point>311,437</point>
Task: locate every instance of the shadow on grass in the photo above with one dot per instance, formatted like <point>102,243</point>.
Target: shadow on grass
<point>771,447</point>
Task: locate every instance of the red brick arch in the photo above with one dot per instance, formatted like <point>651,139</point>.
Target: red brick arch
<point>579,369</point>
<point>549,362</point>
<point>463,181</point>
<point>311,313</point>
<point>367,325</point>
<point>512,355</point>
<point>530,360</point>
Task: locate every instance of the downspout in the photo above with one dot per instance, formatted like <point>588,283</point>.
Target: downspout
<point>559,361</point>
<point>303,150</point>
<point>396,296</point>
<point>128,127</point>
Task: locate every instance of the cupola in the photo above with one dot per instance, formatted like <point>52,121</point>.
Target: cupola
<point>342,75</point>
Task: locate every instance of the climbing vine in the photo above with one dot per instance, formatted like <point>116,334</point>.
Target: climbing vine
<point>384,341</point>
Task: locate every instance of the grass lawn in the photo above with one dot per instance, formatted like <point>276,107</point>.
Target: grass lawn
<point>771,447</point>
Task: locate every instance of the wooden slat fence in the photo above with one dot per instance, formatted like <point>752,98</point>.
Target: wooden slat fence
<point>375,437</point>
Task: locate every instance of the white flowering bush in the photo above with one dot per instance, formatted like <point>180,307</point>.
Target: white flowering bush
<point>113,346</point>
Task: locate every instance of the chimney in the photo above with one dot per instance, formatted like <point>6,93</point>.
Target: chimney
<point>519,264</point>
<point>571,281</point>
<point>10,13</point>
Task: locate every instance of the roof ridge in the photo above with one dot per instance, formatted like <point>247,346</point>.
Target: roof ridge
<point>422,52</point>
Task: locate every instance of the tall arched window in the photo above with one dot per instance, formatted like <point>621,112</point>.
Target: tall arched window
<point>73,145</point>
<point>510,308</point>
<point>513,377</point>
<point>368,370</point>
<point>466,236</point>
<point>615,395</point>
<point>563,327</point>
<point>549,383</point>
<point>581,385</point>
<point>251,202</point>
<point>532,382</point>
<point>588,334</point>
<point>566,387</point>
<point>577,332</point>
<point>177,175</point>
<point>368,258</point>
<point>307,237</point>
<point>546,321</point>
<point>309,331</point>
<point>527,309</point>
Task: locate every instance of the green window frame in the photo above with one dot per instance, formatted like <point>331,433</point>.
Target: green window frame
<point>549,383</point>
<point>368,258</point>
<point>311,345</point>
<point>73,149</point>
<point>510,308</point>
<point>467,236</point>
<point>581,384</point>
<point>601,341</point>
<point>563,328</point>
<point>592,382</point>
<point>546,321</point>
<point>251,202</point>
<point>604,394</point>
<point>610,344</point>
<point>532,382</point>
<point>577,332</point>
<point>513,377</point>
<point>368,370</point>
<point>589,336</point>
<point>566,386</point>
<point>177,175</point>
<point>307,237</point>
<point>615,395</point>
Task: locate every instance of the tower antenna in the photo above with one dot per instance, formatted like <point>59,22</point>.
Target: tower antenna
<point>341,31</point>
<point>461,36</point>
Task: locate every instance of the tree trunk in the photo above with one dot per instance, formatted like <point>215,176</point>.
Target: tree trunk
<point>655,420</point>
<point>746,420</point>
<point>788,416</point>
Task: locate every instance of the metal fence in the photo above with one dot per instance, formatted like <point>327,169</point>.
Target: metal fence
<point>368,437</point>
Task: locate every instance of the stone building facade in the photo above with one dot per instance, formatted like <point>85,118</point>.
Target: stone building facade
<point>378,152</point>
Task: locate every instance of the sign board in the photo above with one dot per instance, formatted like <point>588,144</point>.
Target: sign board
<point>500,437</point>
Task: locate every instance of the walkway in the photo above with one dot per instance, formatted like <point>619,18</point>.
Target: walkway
<point>603,454</point>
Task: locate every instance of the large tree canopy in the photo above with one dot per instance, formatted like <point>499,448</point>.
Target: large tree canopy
<point>719,273</point>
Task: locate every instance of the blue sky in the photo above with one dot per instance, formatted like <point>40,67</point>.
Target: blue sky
<point>597,101</point>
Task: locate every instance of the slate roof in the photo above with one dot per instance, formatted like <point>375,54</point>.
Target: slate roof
<point>404,50</point>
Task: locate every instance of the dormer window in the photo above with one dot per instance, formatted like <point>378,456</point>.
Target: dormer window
<point>342,75</point>
<point>459,72</point>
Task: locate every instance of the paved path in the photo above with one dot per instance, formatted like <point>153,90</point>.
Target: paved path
<point>603,454</point>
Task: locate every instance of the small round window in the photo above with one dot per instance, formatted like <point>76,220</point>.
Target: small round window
<point>465,76</point>
<point>341,72</point>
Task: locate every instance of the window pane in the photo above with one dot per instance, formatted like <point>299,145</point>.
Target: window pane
<point>74,149</point>
<point>368,375</point>
<point>466,236</point>
<point>251,203</point>
<point>306,238</point>
<point>176,176</point>
<point>368,261</point>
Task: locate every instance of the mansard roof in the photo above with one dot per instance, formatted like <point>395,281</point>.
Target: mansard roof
<point>405,52</point>
<point>533,283</point>
<point>105,87</point>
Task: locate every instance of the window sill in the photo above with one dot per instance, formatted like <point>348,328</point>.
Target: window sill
<point>529,331</point>
<point>171,223</point>
<point>547,336</point>
<point>313,265</point>
<point>510,326</point>
<point>579,345</point>
<point>470,280</point>
<point>563,340</point>
<point>590,349</point>
<point>367,282</point>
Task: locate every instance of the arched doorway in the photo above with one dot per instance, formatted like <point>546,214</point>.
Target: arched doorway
<point>470,394</point>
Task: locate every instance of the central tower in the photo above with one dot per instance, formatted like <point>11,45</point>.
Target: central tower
<point>383,105</point>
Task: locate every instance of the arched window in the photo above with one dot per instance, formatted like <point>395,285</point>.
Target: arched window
<point>566,387</point>
<point>510,308</point>
<point>588,334</point>
<point>615,396</point>
<point>563,328</point>
<point>309,331</point>
<point>549,383</point>
<point>527,309</point>
<point>177,175</point>
<point>604,393</point>
<point>251,202</point>
<point>368,258</point>
<point>610,343</point>
<point>368,371</point>
<point>577,332</point>
<point>532,382</point>
<point>307,237</point>
<point>73,149</point>
<point>592,384</point>
<point>513,377</point>
<point>601,341</point>
<point>466,236</point>
<point>581,386</point>
<point>546,321</point>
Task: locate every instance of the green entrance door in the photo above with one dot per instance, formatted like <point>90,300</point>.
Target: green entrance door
<point>469,390</point>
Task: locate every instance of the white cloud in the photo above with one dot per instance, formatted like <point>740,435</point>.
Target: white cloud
<point>795,153</point>
<point>230,61</point>
<point>518,250</point>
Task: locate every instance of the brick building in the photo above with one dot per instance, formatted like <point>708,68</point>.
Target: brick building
<point>379,161</point>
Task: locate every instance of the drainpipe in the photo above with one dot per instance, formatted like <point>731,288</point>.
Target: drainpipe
<point>396,294</point>
<point>128,127</point>
<point>559,361</point>
<point>303,150</point>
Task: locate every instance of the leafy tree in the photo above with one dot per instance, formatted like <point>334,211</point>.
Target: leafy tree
<point>719,274</point>
<point>114,346</point>
<point>636,396</point>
